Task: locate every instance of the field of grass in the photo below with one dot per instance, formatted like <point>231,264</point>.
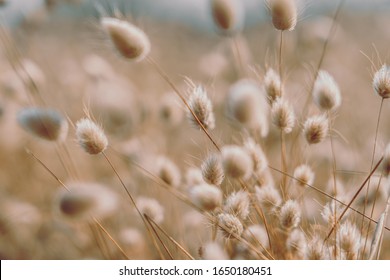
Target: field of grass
<point>102,158</point>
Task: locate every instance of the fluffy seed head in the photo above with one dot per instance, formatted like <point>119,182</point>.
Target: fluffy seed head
<point>330,212</point>
<point>283,115</point>
<point>132,238</point>
<point>296,244</point>
<point>236,162</point>
<point>290,215</point>
<point>284,14</point>
<point>256,235</point>
<point>272,85</point>
<point>193,176</point>
<point>246,104</point>
<point>206,197</point>
<point>349,239</point>
<point>130,41</point>
<point>212,170</point>
<point>254,150</point>
<point>268,197</point>
<point>315,129</point>
<point>315,249</point>
<point>227,15</point>
<point>213,251</point>
<point>202,107</point>
<point>90,136</point>
<point>152,208</point>
<point>47,124</point>
<point>381,81</point>
<point>230,225</point>
<point>304,175</point>
<point>86,200</point>
<point>169,111</point>
<point>326,93</point>
<point>238,203</point>
<point>168,172</point>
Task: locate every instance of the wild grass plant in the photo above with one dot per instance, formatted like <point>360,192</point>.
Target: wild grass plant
<point>158,142</point>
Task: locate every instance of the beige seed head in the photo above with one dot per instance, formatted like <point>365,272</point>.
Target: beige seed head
<point>91,137</point>
<point>256,235</point>
<point>290,215</point>
<point>152,208</point>
<point>168,172</point>
<point>284,14</point>
<point>214,251</point>
<point>283,115</point>
<point>202,107</point>
<point>227,15</point>
<point>84,201</point>
<point>349,239</point>
<point>230,225</point>
<point>304,175</point>
<point>193,176</point>
<point>381,81</point>
<point>205,196</point>
<point>268,197</point>
<point>237,163</point>
<point>130,41</point>
<point>315,249</point>
<point>47,124</point>
<point>296,244</point>
<point>238,204</point>
<point>260,162</point>
<point>326,93</point>
<point>272,85</point>
<point>212,170</point>
<point>315,129</point>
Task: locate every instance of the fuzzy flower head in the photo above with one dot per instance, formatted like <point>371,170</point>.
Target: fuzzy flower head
<point>283,116</point>
<point>91,137</point>
<point>326,92</point>
<point>228,15</point>
<point>47,124</point>
<point>284,14</point>
<point>202,107</point>
<point>130,41</point>
<point>381,81</point>
<point>315,129</point>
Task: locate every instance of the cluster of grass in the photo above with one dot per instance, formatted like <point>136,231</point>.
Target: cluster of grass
<point>162,143</point>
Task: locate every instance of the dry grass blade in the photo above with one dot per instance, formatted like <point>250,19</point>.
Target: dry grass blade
<point>353,198</point>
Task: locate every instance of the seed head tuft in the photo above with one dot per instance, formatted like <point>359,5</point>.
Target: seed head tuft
<point>283,115</point>
<point>47,124</point>
<point>315,129</point>
<point>236,162</point>
<point>381,81</point>
<point>326,92</point>
<point>202,107</point>
<point>91,137</point>
<point>212,170</point>
<point>284,14</point>
<point>130,41</point>
<point>206,197</point>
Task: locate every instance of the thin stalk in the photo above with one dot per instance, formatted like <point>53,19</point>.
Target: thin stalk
<point>158,237</point>
<point>353,198</point>
<point>334,168</point>
<point>132,201</point>
<point>280,60</point>
<point>369,181</point>
<point>170,237</point>
<point>283,163</point>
